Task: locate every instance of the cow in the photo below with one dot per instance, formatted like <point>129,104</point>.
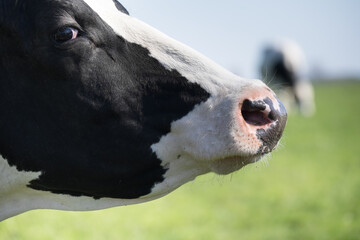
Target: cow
<point>98,109</point>
<point>283,65</point>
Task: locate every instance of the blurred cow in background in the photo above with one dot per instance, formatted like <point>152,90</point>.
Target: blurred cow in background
<point>283,66</point>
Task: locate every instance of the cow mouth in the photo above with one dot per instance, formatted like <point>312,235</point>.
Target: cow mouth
<point>231,164</point>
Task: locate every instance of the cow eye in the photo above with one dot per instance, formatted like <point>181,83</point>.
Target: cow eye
<point>65,34</point>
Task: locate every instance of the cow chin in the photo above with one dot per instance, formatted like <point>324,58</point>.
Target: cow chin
<point>228,165</point>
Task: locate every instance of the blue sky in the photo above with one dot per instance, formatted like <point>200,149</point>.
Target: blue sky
<point>232,32</point>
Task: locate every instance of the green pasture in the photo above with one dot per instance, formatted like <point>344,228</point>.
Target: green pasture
<point>308,189</point>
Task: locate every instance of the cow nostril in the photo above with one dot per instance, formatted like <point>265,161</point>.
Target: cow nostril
<point>254,113</point>
<point>256,118</point>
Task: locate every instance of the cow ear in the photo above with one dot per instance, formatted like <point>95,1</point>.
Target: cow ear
<point>120,7</point>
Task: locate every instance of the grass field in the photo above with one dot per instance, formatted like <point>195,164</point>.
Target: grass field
<point>308,189</point>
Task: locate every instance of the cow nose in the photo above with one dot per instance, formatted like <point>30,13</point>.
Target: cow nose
<point>268,117</point>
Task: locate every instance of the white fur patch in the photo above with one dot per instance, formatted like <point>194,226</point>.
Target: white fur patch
<point>13,184</point>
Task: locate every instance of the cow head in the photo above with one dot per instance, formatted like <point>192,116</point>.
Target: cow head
<point>98,106</point>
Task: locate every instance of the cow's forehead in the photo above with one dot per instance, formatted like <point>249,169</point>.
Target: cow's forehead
<point>170,53</point>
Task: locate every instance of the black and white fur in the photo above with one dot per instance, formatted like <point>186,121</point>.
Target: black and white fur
<point>98,109</point>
